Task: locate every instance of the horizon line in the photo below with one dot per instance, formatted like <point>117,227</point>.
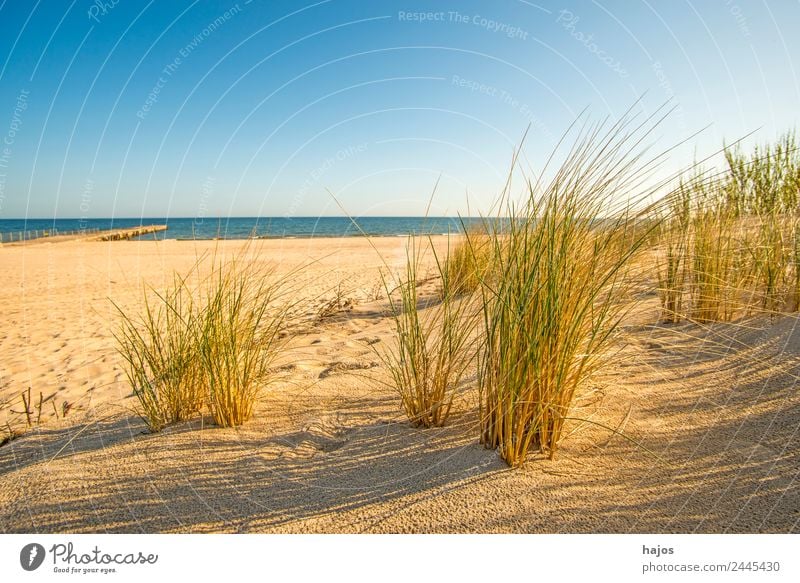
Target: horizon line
<point>244,217</point>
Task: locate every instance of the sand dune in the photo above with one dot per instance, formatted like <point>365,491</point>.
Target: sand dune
<point>329,450</point>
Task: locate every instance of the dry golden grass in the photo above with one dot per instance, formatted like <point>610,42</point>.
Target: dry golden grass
<point>730,241</point>
<point>238,339</point>
<point>433,345</point>
<point>469,261</point>
<point>204,345</point>
<point>161,353</point>
<point>561,260</point>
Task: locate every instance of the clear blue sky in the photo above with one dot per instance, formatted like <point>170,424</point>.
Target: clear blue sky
<point>224,108</point>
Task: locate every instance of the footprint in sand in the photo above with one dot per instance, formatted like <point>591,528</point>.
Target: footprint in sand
<point>347,365</point>
<point>321,435</point>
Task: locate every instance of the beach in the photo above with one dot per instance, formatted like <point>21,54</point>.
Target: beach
<point>688,429</point>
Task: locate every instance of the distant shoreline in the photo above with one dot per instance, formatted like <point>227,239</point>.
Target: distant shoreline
<point>217,228</point>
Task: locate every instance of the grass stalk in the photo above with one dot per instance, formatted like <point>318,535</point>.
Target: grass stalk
<point>433,339</point>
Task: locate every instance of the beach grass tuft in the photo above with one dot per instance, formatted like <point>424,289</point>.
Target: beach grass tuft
<point>433,339</point>
<point>469,260</point>
<point>204,345</point>
<point>239,337</point>
<point>160,351</point>
<point>672,262</point>
<point>730,239</point>
<point>561,257</point>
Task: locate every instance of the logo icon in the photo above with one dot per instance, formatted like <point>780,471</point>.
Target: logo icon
<point>31,556</point>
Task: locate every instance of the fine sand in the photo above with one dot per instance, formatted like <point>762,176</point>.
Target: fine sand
<point>328,449</point>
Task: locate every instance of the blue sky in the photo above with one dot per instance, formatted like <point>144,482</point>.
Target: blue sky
<point>223,108</point>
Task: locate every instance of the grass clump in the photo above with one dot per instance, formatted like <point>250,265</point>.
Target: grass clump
<point>238,339</point>
<point>672,265</point>
<point>206,346</point>
<point>433,345</point>
<point>715,268</point>
<point>765,182</point>
<point>795,258</point>
<point>161,355</point>
<point>774,257</point>
<point>469,261</point>
<point>562,262</point>
<point>735,232</point>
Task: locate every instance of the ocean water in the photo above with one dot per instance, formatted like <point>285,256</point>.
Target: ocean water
<point>246,227</point>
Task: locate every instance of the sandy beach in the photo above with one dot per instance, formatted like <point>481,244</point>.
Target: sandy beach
<point>710,416</point>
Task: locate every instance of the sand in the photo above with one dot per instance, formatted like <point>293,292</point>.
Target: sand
<point>329,450</point>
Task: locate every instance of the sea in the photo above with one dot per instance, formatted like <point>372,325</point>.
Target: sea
<point>245,227</point>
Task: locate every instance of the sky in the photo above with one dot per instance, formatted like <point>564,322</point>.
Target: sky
<point>124,108</point>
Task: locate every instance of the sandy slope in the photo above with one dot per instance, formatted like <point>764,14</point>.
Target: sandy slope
<point>330,452</point>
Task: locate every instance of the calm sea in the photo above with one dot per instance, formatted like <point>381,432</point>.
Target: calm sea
<point>245,227</point>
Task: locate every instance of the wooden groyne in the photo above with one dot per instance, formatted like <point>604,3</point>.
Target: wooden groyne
<point>34,237</point>
<point>125,234</point>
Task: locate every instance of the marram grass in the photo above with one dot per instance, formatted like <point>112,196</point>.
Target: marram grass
<point>561,261</point>
<point>433,340</point>
<point>729,247</point>
<point>161,355</point>
<point>469,261</point>
<point>238,339</point>
<point>207,346</point>
<point>672,255</point>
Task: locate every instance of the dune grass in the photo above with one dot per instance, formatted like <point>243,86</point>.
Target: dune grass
<point>469,260</point>
<point>765,181</point>
<point>433,340</point>
<point>562,262</point>
<point>736,234</point>
<point>161,354</point>
<point>238,339</point>
<point>734,265</point>
<point>795,259</point>
<point>672,266</point>
<point>773,257</point>
<point>714,268</point>
<point>206,345</point>
<point>534,297</point>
